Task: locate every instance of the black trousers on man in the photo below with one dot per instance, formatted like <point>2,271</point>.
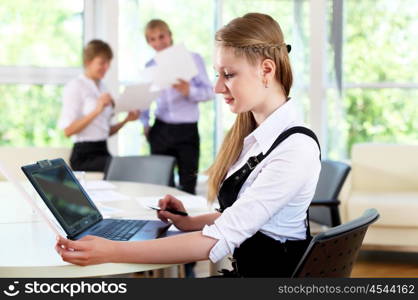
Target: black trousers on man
<point>181,141</point>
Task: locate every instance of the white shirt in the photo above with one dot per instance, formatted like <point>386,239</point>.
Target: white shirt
<point>275,197</point>
<point>79,99</point>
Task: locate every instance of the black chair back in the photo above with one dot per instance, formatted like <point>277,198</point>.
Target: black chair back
<point>324,206</point>
<point>333,253</point>
<point>155,169</point>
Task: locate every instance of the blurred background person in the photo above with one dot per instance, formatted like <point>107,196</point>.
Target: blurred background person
<point>175,130</point>
<point>88,108</point>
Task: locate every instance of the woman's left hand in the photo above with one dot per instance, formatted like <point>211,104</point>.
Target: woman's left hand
<point>133,115</point>
<point>89,250</point>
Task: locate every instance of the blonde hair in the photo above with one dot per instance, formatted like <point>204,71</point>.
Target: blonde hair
<point>256,37</point>
<point>96,48</point>
<point>157,24</point>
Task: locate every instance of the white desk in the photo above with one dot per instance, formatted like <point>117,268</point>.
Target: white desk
<point>27,244</point>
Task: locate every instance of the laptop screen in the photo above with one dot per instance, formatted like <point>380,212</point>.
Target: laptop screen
<point>65,198</point>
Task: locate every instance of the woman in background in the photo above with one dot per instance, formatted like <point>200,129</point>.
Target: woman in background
<point>87,110</point>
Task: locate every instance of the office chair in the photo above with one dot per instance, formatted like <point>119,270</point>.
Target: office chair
<point>333,253</point>
<point>155,169</point>
<point>324,207</point>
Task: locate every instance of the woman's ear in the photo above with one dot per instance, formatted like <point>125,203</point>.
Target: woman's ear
<point>268,67</point>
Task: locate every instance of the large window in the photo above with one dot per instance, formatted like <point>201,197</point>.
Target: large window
<point>379,100</point>
<point>41,43</point>
<point>371,77</point>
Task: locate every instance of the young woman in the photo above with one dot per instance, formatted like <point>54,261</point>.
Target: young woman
<point>175,130</point>
<point>87,110</point>
<point>264,175</point>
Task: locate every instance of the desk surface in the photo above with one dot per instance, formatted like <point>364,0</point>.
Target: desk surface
<point>27,244</point>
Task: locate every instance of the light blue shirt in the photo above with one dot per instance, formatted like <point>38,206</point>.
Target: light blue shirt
<point>173,107</point>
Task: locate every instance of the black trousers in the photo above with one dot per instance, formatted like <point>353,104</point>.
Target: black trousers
<point>262,256</point>
<point>89,156</point>
<point>181,141</point>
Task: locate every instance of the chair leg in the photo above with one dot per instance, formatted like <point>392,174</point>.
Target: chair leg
<point>335,216</point>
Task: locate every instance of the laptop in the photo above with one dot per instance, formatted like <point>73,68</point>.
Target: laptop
<point>75,211</point>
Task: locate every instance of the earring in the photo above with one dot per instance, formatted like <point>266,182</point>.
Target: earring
<point>266,84</point>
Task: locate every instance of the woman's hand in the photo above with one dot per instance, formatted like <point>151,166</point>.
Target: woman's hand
<point>78,125</point>
<point>183,87</point>
<point>183,223</point>
<point>89,250</point>
<point>133,115</point>
<point>104,100</point>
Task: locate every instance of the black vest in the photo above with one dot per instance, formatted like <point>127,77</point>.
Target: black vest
<point>260,255</point>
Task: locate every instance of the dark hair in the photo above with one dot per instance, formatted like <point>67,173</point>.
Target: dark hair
<point>96,48</point>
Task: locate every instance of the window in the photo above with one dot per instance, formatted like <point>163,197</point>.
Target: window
<point>41,33</point>
<point>379,100</point>
<point>40,51</point>
<point>29,114</point>
<point>371,79</point>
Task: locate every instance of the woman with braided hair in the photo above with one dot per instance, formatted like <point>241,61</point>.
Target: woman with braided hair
<point>264,175</point>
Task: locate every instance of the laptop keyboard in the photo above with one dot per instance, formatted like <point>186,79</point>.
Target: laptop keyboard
<point>120,230</point>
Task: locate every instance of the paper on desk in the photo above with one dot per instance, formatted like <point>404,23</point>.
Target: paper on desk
<point>108,211</point>
<point>107,196</point>
<point>97,185</point>
<point>189,202</point>
<point>173,63</point>
<point>136,96</point>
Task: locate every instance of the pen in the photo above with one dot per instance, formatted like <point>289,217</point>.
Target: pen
<point>173,211</point>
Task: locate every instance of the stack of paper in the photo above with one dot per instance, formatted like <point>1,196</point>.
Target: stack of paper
<point>100,192</point>
<point>98,185</point>
<point>172,64</point>
<point>108,211</point>
<point>107,196</point>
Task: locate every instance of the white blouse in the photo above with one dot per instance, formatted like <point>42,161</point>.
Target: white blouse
<point>275,197</point>
<point>79,99</point>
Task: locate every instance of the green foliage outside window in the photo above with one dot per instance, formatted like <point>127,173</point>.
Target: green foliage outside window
<point>379,46</point>
<point>45,33</point>
<point>29,115</point>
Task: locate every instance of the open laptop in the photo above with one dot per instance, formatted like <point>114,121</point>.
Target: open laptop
<point>75,211</point>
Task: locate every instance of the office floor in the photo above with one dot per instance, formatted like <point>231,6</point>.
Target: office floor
<point>386,264</point>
